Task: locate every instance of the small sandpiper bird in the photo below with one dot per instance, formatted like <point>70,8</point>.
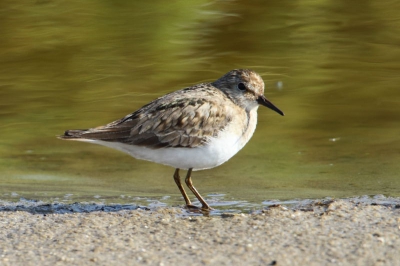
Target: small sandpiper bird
<point>196,128</point>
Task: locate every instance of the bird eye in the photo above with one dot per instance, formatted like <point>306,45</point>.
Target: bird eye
<point>241,86</point>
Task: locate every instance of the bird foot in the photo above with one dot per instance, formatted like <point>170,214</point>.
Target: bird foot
<point>192,207</point>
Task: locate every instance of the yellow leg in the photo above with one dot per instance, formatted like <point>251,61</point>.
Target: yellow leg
<point>189,183</point>
<point>177,179</point>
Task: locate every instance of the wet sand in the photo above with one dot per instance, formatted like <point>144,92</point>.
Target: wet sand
<point>357,231</point>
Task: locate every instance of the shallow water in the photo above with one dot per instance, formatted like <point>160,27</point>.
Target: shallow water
<point>332,67</point>
<point>221,208</point>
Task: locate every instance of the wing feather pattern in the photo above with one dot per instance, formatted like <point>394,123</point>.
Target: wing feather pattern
<point>180,119</point>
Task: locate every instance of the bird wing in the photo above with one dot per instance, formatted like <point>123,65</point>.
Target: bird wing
<point>179,119</point>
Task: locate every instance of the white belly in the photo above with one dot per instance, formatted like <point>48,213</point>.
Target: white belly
<point>216,152</point>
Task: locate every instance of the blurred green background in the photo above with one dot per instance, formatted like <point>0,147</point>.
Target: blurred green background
<point>333,67</point>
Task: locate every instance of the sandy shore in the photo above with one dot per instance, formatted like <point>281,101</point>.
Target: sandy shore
<point>321,232</point>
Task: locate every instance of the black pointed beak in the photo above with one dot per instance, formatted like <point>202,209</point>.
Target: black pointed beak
<point>263,101</point>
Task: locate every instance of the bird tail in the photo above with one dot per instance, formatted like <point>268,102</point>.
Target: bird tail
<point>99,133</point>
<point>73,134</point>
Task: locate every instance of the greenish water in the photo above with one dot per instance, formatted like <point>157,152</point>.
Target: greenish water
<point>332,67</point>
